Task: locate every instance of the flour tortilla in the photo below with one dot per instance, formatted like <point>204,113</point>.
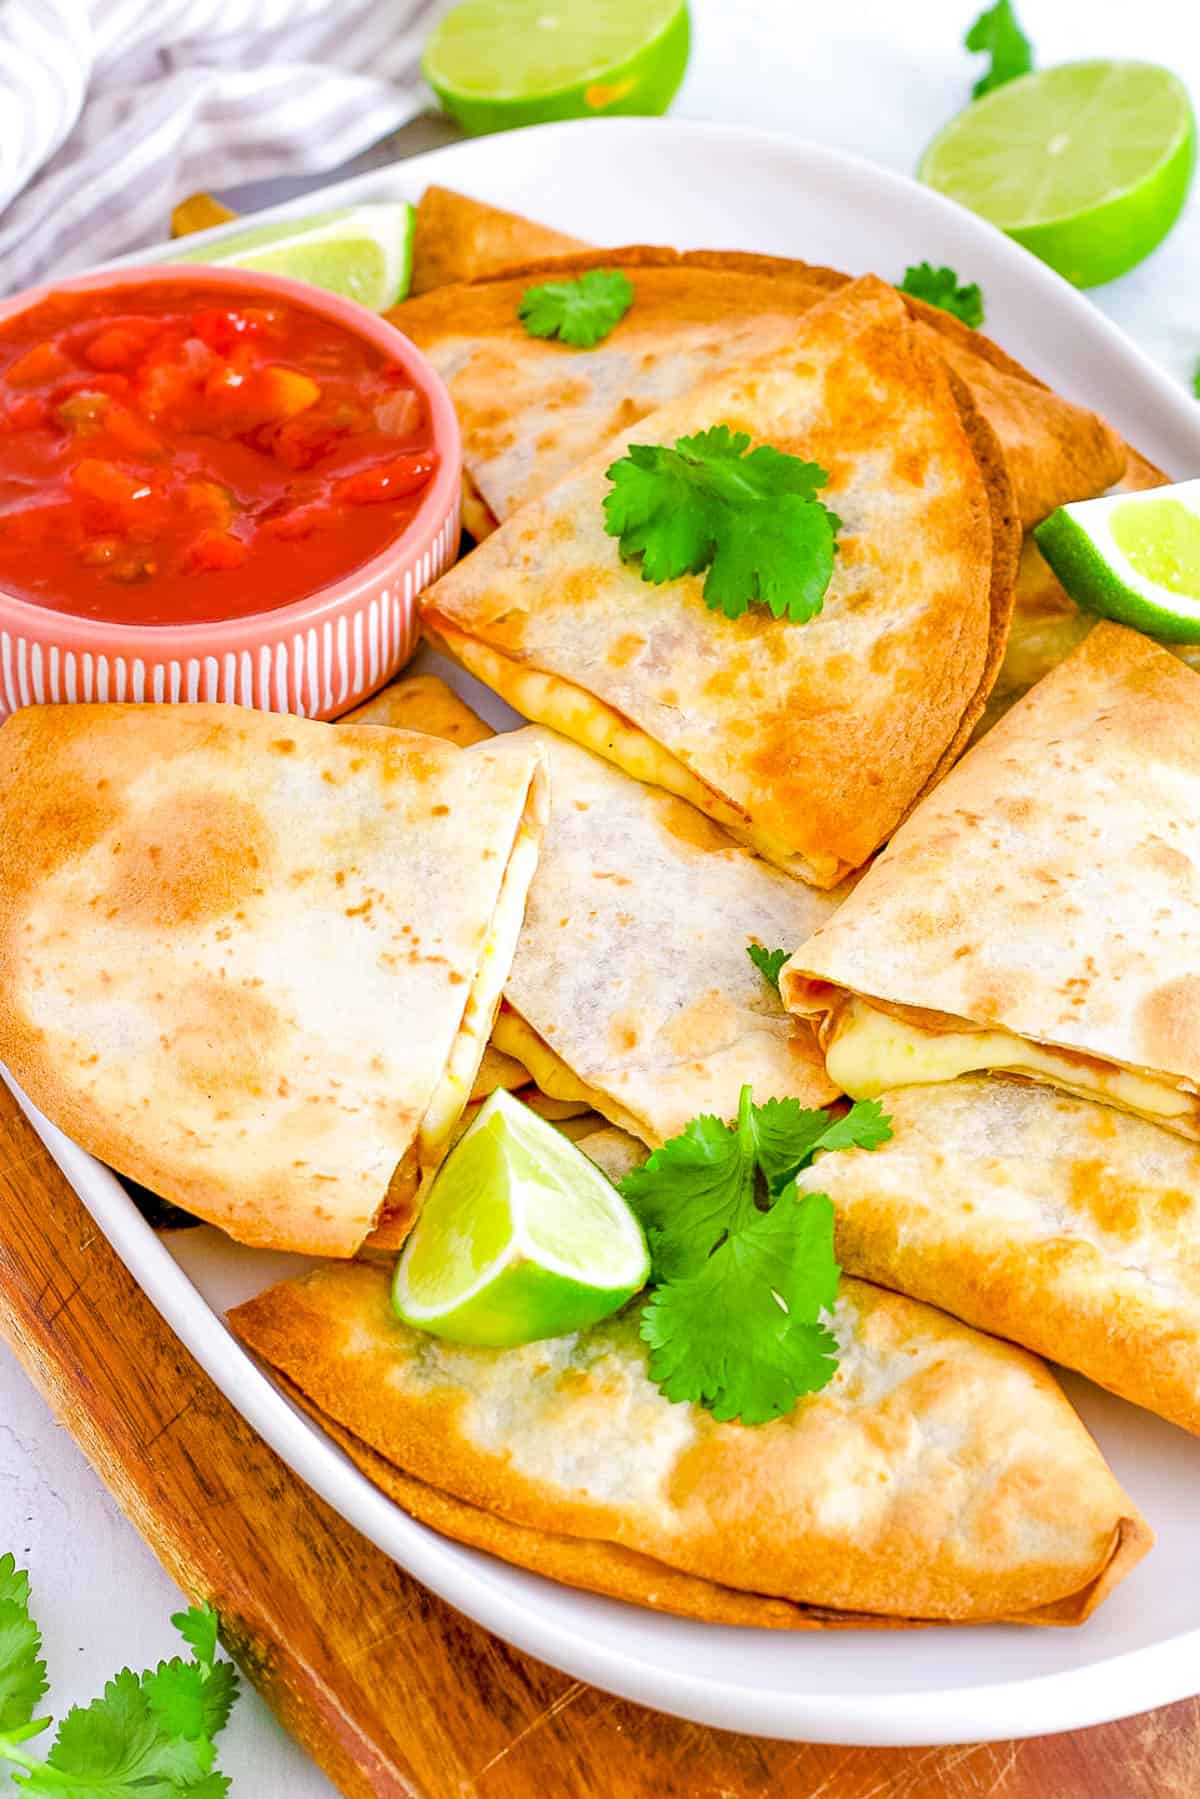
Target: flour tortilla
<point>1049,888</point>
<point>942,1476</point>
<point>252,961</point>
<point>456,238</point>
<point>532,408</point>
<point>631,971</point>
<point>809,742</point>
<point>1065,1226</point>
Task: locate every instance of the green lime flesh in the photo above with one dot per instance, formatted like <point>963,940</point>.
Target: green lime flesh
<point>1162,610</point>
<point>1161,540</point>
<point>1087,164</point>
<point>361,252</point>
<point>497,64</point>
<point>520,1237</point>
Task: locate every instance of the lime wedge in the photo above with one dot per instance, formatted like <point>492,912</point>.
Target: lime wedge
<point>520,1237</point>
<point>1132,557</point>
<point>1087,164</point>
<point>494,64</point>
<point>362,252</point>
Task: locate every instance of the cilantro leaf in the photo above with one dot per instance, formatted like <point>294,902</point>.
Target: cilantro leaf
<point>769,962</point>
<point>941,288</point>
<point>750,517</point>
<point>789,1137</point>
<point>198,1628</point>
<point>997,34</point>
<point>864,1126</point>
<point>743,1266</point>
<point>742,1335</point>
<point>191,1699</point>
<point>691,1191</point>
<point>22,1672</point>
<point>581,312</point>
<point>1196,382</point>
<point>146,1737</point>
<point>116,1747</point>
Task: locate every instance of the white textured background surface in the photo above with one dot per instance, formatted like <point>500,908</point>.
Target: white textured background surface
<point>868,76</point>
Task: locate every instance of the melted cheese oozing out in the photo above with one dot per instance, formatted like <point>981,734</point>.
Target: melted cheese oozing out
<point>872,1051</point>
<point>513,1037</point>
<point>495,959</point>
<point>579,715</point>
<point>498,1070</point>
<point>553,1077</point>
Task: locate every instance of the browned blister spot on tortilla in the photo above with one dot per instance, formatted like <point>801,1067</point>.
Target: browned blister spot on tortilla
<point>220,1035</point>
<point>625,648</point>
<point>188,860</point>
<point>685,824</point>
<point>1168,1022</point>
<point>708,1024</point>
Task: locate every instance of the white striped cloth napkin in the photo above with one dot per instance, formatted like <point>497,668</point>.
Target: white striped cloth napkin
<point>111,111</point>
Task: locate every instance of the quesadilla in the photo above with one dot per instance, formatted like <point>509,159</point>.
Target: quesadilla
<point>941,1476</point>
<point>456,239</point>
<point>252,962</point>
<point>422,703</point>
<point>1063,1225</point>
<point>1040,913</point>
<point>631,988</point>
<point>810,741</point>
<point>531,409</point>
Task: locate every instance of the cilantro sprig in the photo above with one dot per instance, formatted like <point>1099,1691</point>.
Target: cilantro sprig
<point>149,1736</point>
<point>942,288</point>
<point>997,34</point>
<point>743,1264</point>
<point>750,517</point>
<point>769,962</point>
<point>581,312</point>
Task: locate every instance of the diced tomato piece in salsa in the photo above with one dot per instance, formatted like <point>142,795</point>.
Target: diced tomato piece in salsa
<point>177,454</point>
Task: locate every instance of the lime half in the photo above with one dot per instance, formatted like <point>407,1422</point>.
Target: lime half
<point>1132,557</point>
<point>362,252</point>
<point>520,1237</point>
<point>1087,164</point>
<point>494,64</point>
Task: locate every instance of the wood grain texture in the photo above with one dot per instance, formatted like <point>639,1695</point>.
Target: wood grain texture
<point>390,1689</point>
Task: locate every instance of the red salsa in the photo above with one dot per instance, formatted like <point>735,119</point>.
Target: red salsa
<point>173,455</point>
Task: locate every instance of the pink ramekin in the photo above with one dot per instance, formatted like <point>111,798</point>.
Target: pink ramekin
<point>317,657</point>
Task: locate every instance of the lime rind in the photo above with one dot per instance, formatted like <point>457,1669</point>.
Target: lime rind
<point>560,1247</point>
<point>1087,164</point>
<point>625,57</point>
<point>362,252</point>
<point>1079,544</point>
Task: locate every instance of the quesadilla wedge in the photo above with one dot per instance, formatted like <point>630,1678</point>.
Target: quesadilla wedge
<point>808,742</point>
<point>1040,913</point>
<point>422,703</point>
<point>531,409</point>
<point>1063,1225</point>
<point>456,239</point>
<point>941,1476</point>
<point>252,962</point>
<point>631,988</point>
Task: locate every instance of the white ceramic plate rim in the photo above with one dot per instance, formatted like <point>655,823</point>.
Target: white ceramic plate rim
<point>1165,424</point>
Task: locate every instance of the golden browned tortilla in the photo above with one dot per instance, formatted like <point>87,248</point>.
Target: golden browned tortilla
<point>531,409</point>
<point>253,961</point>
<point>809,742</point>
<point>1039,913</point>
<point>456,238</point>
<point>422,703</point>
<point>1066,1226</point>
<point>941,1476</point>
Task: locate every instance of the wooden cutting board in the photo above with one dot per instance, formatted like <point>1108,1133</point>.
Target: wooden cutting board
<point>387,1687</point>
